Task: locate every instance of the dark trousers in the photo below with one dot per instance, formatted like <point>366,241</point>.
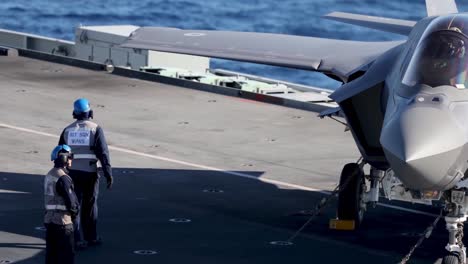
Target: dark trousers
<point>87,190</point>
<point>60,244</point>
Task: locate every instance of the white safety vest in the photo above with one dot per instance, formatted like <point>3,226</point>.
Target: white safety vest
<point>80,136</point>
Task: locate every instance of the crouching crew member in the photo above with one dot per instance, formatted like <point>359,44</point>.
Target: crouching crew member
<point>61,207</point>
<point>89,145</point>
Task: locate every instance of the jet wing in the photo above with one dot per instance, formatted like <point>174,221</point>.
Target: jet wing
<point>397,26</point>
<point>338,58</point>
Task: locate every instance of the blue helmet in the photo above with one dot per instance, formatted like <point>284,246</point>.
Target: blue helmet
<point>81,106</point>
<point>59,149</point>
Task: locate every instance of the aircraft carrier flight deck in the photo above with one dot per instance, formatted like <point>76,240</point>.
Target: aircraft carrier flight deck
<point>199,177</point>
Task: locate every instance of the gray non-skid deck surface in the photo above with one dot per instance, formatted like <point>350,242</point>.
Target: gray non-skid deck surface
<point>203,129</point>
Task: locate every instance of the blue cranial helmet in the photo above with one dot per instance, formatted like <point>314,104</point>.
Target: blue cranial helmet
<point>81,106</point>
<point>59,149</point>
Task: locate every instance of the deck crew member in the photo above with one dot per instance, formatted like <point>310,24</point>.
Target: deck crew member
<point>89,146</point>
<point>61,207</point>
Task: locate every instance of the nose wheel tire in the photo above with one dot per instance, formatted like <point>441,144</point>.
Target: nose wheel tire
<point>451,259</point>
<point>350,197</point>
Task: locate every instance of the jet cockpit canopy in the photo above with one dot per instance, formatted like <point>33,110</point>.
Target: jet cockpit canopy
<point>441,56</point>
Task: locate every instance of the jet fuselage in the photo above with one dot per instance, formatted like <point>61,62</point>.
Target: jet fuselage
<point>425,129</point>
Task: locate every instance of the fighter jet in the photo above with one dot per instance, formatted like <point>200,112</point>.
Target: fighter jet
<point>405,103</point>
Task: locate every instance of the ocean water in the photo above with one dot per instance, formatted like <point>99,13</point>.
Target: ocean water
<point>58,18</point>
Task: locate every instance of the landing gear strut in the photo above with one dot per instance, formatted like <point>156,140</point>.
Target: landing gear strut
<point>455,218</point>
<point>351,205</point>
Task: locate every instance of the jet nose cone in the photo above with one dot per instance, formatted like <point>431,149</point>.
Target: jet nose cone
<point>422,144</point>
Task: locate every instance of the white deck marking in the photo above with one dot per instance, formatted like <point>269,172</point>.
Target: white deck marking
<point>407,209</point>
<point>189,164</point>
<point>13,192</point>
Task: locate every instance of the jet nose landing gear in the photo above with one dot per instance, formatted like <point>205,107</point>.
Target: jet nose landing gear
<point>456,249</point>
<point>456,216</point>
